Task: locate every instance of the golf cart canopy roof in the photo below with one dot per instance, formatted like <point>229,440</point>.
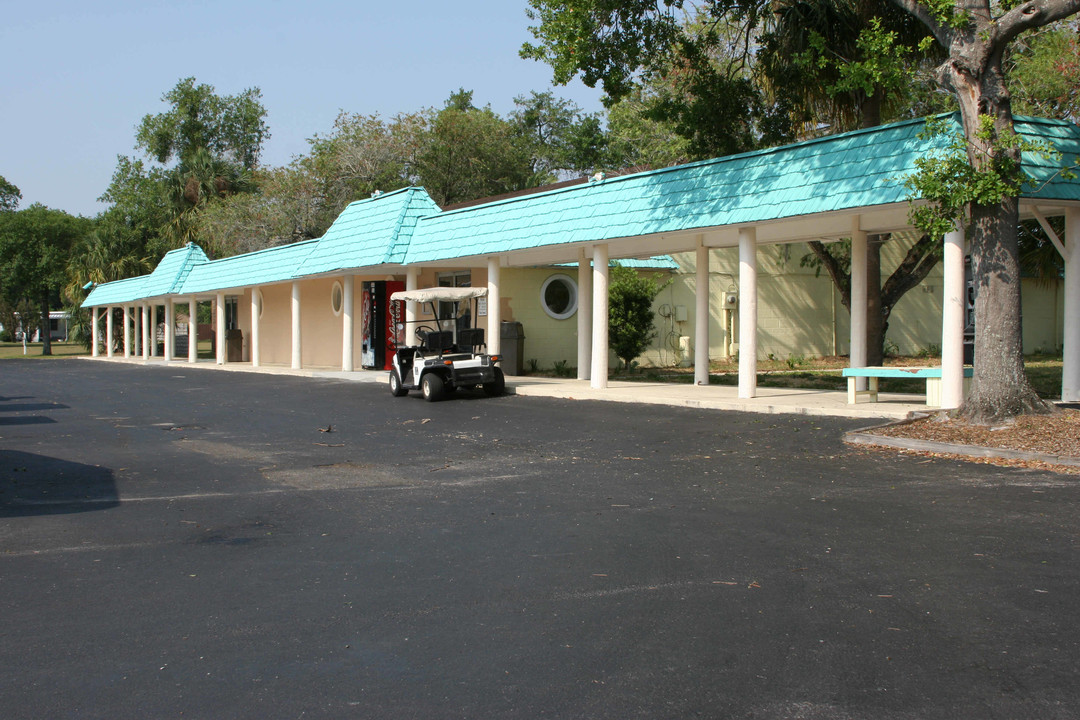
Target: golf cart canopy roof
<point>440,294</point>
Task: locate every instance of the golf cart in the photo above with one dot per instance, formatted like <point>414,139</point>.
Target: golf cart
<point>448,353</point>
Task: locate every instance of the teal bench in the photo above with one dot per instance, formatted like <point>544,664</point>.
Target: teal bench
<point>932,375</point>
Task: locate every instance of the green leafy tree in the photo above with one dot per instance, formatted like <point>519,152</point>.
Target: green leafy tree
<point>696,59</point>
<point>35,244</point>
<point>984,192</point>
<point>631,320</point>
<point>9,196</point>
<point>562,141</point>
<point>471,153</point>
<point>231,128</point>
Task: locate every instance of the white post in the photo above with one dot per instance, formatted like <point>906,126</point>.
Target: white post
<point>747,312</point>
<point>1070,342</point>
<point>701,316</point>
<point>584,317</point>
<point>144,312</point>
<point>599,363</point>
<point>219,327</point>
<point>412,282</point>
<point>153,330</point>
<point>952,322</point>
<point>136,331</point>
<point>348,332</point>
<point>94,331</point>
<point>494,308</point>
<point>108,332</point>
<point>297,355</point>
<point>127,332</point>
<point>253,342</point>
<point>857,349</point>
<point>170,329</point>
<point>193,330</point>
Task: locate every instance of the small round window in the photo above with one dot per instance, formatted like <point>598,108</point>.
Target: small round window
<point>258,303</point>
<point>336,298</point>
<point>558,295</point>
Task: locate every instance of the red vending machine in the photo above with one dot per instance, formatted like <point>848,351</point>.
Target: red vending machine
<point>379,326</point>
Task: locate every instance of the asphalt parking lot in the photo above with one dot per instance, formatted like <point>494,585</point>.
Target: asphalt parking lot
<point>179,542</point>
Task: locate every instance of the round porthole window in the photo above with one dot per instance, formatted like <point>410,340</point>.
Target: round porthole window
<point>258,303</point>
<point>558,296</point>
<point>336,298</point>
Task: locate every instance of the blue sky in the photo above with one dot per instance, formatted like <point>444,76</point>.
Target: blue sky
<point>78,77</point>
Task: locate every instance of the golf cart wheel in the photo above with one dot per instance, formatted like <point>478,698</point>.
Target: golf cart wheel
<point>395,385</point>
<point>496,386</point>
<point>432,386</point>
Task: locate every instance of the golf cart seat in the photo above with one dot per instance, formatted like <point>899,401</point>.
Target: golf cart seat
<point>438,341</point>
<point>471,339</point>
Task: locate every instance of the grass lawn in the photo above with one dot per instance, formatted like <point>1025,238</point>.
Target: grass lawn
<point>10,350</point>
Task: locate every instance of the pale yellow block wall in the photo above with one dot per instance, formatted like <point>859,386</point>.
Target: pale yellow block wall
<point>799,312</point>
<point>1043,309</point>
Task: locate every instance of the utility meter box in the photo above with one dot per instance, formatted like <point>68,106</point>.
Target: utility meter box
<point>731,300</point>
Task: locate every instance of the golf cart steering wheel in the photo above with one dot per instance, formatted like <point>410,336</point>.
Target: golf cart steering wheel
<point>422,330</point>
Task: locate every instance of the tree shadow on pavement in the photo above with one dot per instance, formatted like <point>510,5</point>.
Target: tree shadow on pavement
<point>32,484</point>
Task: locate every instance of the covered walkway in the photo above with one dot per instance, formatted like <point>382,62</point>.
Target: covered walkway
<point>891,406</point>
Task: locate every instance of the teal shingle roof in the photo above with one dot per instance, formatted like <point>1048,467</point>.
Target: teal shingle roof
<point>853,170</point>
<point>166,279</point>
<point>263,267</point>
<point>370,232</point>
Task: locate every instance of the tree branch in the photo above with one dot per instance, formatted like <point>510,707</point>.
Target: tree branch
<point>920,259</point>
<point>1028,15</point>
<point>841,279</point>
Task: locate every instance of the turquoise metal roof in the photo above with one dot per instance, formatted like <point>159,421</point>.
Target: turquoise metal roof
<point>172,271</point>
<point>166,279</point>
<point>117,292</point>
<point>370,232</point>
<point>839,172</point>
<point>263,267</point>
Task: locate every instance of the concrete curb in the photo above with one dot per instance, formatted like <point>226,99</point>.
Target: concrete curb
<point>865,436</point>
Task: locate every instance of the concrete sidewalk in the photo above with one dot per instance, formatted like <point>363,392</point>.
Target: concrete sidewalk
<point>891,406</point>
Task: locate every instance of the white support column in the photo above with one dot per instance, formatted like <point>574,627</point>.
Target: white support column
<point>747,312</point>
<point>348,331</point>
<point>857,351</point>
<point>253,341</point>
<point>144,312</point>
<point>193,330</point>
<point>412,282</point>
<point>219,327</point>
<point>170,329</point>
<point>153,330</point>
<point>494,308</point>
<point>599,363</point>
<point>94,335</point>
<point>584,317</point>
<point>701,316</point>
<point>136,330</point>
<point>1070,372</point>
<point>108,331</point>
<point>127,332</point>
<point>952,322</point>
<point>297,354</point>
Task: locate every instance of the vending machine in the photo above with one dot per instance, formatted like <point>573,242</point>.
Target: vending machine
<point>379,327</point>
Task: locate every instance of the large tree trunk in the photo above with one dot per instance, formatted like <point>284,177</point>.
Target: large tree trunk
<point>999,388</point>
